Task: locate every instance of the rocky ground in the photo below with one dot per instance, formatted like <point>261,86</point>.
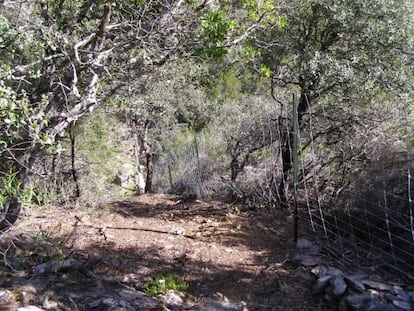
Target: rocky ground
<point>101,259</point>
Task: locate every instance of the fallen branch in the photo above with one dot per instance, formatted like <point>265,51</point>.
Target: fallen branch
<point>55,266</point>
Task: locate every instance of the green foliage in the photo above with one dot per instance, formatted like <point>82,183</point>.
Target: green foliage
<point>353,58</point>
<point>11,186</point>
<point>46,247</point>
<point>100,153</point>
<point>350,47</point>
<point>164,282</point>
<point>19,119</point>
<point>228,85</point>
<point>215,28</point>
<point>265,70</point>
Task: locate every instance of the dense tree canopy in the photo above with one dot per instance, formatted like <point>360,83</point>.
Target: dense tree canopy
<point>172,62</point>
<point>61,59</point>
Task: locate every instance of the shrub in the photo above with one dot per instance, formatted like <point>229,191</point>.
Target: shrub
<point>164,282</point>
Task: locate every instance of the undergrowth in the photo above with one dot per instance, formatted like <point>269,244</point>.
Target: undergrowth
<point>164,282</point>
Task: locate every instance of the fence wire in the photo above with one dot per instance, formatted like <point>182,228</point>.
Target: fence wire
<point>355,187</point>
<point>367,220</point>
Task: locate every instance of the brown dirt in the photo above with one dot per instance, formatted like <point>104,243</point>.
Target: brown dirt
<point>220,250</point>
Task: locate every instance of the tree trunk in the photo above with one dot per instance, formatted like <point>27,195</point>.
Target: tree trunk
<point>287,141</point>
<point>150,159</point>
<point>150,171</point>
<point>140,178</point>
<point>74,172</point>
<point>235,169</point>
<point>286,166</point>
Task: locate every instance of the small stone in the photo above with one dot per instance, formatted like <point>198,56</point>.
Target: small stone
<point>329,271</point>
<point>214,305</point>
<point>357,302</point>
<point>179,231</point>
<point>30,308</point>
<point>303,243</point>
<point>354,284</point>
<point>402,305</point>
<point>316,271</point>
<point>173,299</point>
<point>50,304</point>
<point>373,292</point>
<point>335,271</point>
<point>4,295</point>
<point>338,285</point>
<point>377,285</point>
<point>321,284</point>
<point>310,261</point>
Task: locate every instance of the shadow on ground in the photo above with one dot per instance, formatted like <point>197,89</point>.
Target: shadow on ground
<point>219,250</point>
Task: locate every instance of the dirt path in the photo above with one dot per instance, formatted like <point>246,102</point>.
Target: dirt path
<point>223,253</point>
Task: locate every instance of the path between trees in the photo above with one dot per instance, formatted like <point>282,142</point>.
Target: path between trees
<point>100,259</point>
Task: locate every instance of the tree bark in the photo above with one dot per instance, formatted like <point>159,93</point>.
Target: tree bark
<point>150,171</point>
<point>74,171</point>
<point>150,159</point>
<point>287,141</point>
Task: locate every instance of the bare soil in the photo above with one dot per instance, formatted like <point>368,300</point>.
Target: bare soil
<point>222,251</point>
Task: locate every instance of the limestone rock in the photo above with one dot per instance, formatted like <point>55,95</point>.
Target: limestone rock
<point>324,270</point>
<point>401,295</point>
<point>362,302</point>
<point>362,292</point>
<point>321,284</point>
<point>338,285</point>
<point>402,305</point>
<point>310,261</point>
<point>377,285</point>
<point>30,308</point>
<point>173,299</point>
<point>214,305</point>
<point>354,284</point>
<point>4,295</point>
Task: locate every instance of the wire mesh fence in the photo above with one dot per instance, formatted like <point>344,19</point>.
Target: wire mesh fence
<point>366,217</point>
<point>354,182</point>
